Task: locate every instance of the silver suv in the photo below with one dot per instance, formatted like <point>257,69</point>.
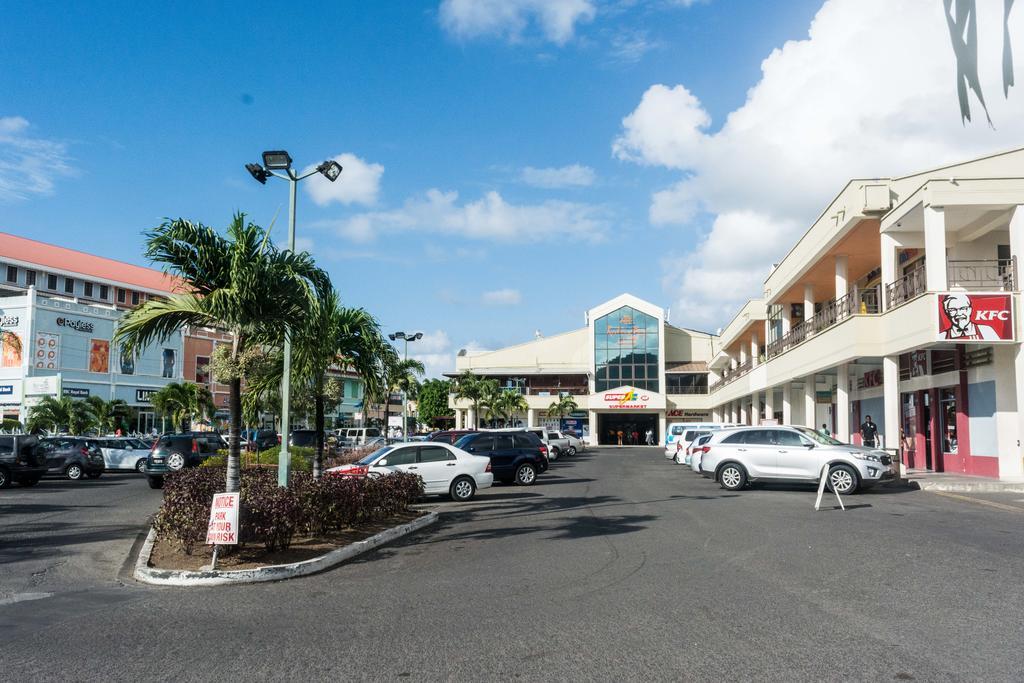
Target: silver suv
<point>735,457</point>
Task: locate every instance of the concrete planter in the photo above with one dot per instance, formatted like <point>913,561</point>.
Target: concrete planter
<point>278,572</point>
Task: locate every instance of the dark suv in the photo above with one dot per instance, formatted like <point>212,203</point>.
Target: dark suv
<point>21,460</point>
<point>73,456</point>
<point>515,456</point>
<point>174,452</point>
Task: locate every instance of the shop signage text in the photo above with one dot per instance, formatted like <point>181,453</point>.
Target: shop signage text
<point>42,386</point>
<point>873,378</point>
<point>144,395</point>
<point>9,321</point>
<point>689,414</point>
<point>626,399</point>
<point>6,389</point>
<point>79,325</point>
<point>75,392</point>
<point>975,317</point>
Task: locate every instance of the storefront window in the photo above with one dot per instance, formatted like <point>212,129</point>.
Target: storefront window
<point>947,408</point>
<point>686,383</point>
<point>626,350</point>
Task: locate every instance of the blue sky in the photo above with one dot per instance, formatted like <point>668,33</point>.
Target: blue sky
<point>115,115</point>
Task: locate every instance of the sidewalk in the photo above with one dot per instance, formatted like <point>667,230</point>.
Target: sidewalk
<point>961,483</point>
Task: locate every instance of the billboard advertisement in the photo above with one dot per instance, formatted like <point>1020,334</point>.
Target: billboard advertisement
<point>967,317</point>
<point>46,352</point>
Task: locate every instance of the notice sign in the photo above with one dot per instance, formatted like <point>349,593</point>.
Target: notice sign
<point>223,529</point>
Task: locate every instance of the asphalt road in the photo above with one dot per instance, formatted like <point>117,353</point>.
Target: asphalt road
<point>617,565</point>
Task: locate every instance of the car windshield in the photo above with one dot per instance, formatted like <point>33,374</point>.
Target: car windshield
<point>463,441</point>
<point>372,457</point>
<point>819,437</point>
<point>677,430</point>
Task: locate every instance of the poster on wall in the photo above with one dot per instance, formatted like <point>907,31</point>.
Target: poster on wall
<point>127,361</point>
<point>99,355</point>
<point>168,363</point>
<point>46,353</point>
<point>10,356</point>
<point>967,317</point>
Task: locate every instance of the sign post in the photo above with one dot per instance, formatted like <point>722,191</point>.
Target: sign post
<point>223,526</point>
<point>821,490</point>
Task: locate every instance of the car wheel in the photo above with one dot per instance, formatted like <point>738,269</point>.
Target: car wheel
<point>554,454</point>
<point>140,466</point>
<point>526,474</point>
<point>571,450</point>
<point>732,477</point>
<point>5,479</point>
<point>156,482</point>
<point>73,472</point>
<point>842,479</point>
<point>175,461</point>
<point>462,489</point>
<point>94,475</point>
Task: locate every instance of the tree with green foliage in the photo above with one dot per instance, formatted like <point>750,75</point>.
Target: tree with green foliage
<point>400,375</point>
<point>509,403</point>
<point>565,405</point>
<point>473,388</point>
<point>109,415</point>
<point>184,402</point>
<point>432,403</point>
<point>61,414</point>
<point>238,282</point>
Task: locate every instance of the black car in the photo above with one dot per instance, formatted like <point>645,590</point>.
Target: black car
<point>73,456</point>
<point>515,456</point>
<point>263,439</point>
<point>304,438</point>
<point>21,460</point>
<point>174,452</point>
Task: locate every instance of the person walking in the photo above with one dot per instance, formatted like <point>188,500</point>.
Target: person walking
<point>650,437</point>
<point>869,432</point>
<point>620,437</point>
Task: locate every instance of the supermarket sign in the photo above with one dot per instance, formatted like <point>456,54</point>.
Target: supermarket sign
<point>631,398</point>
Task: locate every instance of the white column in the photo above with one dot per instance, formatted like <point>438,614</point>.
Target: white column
<point>808,302</point>
<point>891,398</point>
<point>842,282</point>
<point>754,349</point>
<point>662,428</point>
<point>744,413</point>
<point>809,402</point>
<point>743,354</point>
<point>458,419</point>
<point>888,243</point>
<point>531,417</point>
<point>787,318</point>
<point>843,402</point>
<point>592,420</point>
<point>755,408</point>
<point>472,419</point>
<point>787,404</point>
<point>769,403</point>
<point>935,248</point>
<point>732,412</point>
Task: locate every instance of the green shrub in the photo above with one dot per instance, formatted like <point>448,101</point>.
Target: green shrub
<point>302,458</point>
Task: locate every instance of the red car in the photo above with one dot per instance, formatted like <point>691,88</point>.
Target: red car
<point>451,435</point>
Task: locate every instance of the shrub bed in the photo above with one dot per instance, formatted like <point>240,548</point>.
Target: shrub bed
<point>270,515</point>
<point>302,458</point>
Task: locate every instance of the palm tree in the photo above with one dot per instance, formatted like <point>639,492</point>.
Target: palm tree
<point>471,388</point>
<point>181,401</point>
<point>509,403</point>
<point>59,414</point>
<point>108,414</point>
<point>565,405</point>
<point>490,399</point>
<point>240,283</point>
<point>400,375</point>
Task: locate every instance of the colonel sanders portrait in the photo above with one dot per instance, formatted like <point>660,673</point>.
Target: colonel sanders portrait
<point>960,311</point>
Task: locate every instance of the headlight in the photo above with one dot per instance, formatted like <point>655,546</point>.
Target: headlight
<point>860,455</point>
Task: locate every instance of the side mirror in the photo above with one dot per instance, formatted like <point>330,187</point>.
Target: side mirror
<point>808,445</point>
<point>382,463</point>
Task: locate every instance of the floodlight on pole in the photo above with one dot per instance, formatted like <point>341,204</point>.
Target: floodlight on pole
<point>405,394</point>
<point>280,160</point>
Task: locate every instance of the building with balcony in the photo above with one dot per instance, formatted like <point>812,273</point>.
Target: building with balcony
<point>628,370</point>
<point>900,302</point>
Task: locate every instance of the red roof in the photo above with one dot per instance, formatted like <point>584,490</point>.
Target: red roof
<point>52,257</point>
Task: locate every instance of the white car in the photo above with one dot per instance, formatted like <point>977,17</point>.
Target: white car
<point>558,443</point>
<point>685,444</point>
<point>123,453</point>
<point>735,457</point>
<point>697,451</point>
<point>444,468</point>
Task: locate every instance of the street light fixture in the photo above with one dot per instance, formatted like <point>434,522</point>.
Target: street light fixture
<point>280,160</point>
<point>405,395</point>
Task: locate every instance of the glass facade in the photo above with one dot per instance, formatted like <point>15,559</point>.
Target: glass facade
<point>626,350</point>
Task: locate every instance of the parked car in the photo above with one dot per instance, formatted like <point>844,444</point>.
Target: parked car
<point>357,436</point>
<point>677,432</point>
<point>451,435</point>
<point>262,439</point>
<point>444,468</point>
<point>736,457</point>
<point>174,452</point>
<point>21,460</point>
<point>515,456</point>
<point>73,456</point>
<point>685,443</point>
<point>303,438</point>
<point>374,443</point>
<point>697,450</point>
<point>120,453</point>
<point>576,444</point>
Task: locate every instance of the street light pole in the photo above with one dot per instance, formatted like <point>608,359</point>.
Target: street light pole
<point>330,169</point>
<point>405,394</point>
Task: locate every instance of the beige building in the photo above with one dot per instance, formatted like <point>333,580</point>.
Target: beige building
<point>628,370</point>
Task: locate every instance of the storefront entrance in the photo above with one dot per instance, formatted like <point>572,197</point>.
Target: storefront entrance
<point>631,428</point>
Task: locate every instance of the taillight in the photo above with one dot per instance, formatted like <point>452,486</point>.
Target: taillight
<point>195,446</point>
<point>679,446</point>
<point>543,450</point>
<point>488,468</point>
<point>705,449</point>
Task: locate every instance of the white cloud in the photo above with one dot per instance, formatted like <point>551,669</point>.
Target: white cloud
<point>437,353</point>
<point>628,46</point>
<point>870,92</point>
<point>489,217</point>
<point>501,297</point>
<point>28,165</point>
<point>359,182</point>
<point>553,178</point>
<point>510,19</point>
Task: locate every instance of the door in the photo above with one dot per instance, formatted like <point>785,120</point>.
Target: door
<point>758,452</point>
<point>57,452</point>
<point>402,459</point>
<point>798,458</point>
<point>115,454</point>
<point>503,454</point>
<point>437,467</point>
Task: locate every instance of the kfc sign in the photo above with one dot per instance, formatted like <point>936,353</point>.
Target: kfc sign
<point>975,317</point>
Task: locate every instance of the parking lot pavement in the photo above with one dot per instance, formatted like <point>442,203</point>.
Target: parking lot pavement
<point>617,565</point>
<point>65,536</point>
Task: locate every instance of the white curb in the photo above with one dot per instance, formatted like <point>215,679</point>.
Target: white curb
<point>277,572</point>
<point>995,486</point>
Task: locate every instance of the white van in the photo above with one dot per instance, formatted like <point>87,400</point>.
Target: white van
<point>677,431</point>
<point>356,436</point>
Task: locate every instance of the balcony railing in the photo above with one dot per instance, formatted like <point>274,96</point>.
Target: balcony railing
<point>999,274</point>
<point>909,286</point>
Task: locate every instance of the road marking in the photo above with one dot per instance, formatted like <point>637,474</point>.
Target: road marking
<point>989,503</point>
<point>22,597</point>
